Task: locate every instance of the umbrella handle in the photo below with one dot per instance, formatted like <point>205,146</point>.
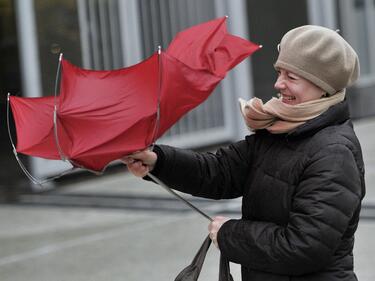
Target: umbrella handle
<point>167,188</point>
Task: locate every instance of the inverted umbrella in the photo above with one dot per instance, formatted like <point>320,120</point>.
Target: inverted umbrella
<point>100,116</point>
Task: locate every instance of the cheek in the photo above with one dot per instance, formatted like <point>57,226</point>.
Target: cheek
<point>313,95</point>
<point>304,94</point>
<point>298,92</point>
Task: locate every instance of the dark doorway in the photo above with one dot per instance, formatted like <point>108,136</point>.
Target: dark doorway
<point>11,177</point>
<point>268,21</point>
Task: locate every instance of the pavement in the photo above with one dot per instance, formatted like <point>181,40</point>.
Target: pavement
<point>118,227</point>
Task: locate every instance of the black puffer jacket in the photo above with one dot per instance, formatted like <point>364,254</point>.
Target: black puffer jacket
<point>301,191</point>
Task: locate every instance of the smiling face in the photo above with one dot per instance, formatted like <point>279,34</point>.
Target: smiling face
<point>294,89</point>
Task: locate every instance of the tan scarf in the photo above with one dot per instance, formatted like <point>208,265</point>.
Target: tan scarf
<point>278,117</point>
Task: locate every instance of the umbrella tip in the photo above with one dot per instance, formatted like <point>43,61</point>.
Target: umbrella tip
<point>260,46</point>
<point>226,16</point>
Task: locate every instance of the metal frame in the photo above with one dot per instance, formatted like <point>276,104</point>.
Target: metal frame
<point>370,19</point>
<point>84,33</point>
<point>130,32</point>
<point>322,12</point>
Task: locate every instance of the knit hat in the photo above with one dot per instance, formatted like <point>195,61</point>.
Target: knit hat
<point>319,55</point>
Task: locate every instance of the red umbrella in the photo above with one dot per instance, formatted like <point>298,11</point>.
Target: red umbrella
<point>100,116</point>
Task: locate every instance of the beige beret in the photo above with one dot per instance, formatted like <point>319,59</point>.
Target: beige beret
<point>319,55</point>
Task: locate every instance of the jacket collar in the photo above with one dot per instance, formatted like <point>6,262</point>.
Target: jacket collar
<point>336,114</point>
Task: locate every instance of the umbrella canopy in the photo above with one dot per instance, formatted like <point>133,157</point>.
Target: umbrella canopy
<point>103,115</point>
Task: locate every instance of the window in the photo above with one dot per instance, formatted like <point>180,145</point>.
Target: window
<point>122,33</point>
<point>57,31</point>
<point>358,24</point>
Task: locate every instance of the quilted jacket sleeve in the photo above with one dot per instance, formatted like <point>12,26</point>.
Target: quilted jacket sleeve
<point>219,175</point>
<point>324,202</point>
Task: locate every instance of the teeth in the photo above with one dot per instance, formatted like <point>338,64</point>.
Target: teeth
<point>289,97</point>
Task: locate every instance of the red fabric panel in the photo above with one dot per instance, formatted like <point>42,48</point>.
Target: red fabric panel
<point>183,88</point>
<point>107,114</point>
<point>34,126</point>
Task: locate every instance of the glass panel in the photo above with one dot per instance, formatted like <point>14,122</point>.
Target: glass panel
<point>58,30</point>
<point>160,21</point>
<point>100,28</point>
<point>10,81</point>
<point>9,70</point>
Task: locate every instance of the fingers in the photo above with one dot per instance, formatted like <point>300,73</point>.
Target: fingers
<point>141,162</point>
<point>213,237</point>
<point>214,227</point>
<point>127,160</point>
<point>145,156</point>
<point>137,168</point>
<point>133,158</point>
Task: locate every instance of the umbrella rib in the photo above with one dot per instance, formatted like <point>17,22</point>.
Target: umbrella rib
<point>62,155</point>
<point>160,68</point>
<point>22,166</point>
<point>163,185</point>
<point>33,179</point>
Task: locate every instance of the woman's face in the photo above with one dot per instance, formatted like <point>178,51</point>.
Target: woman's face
<point>294,89</point>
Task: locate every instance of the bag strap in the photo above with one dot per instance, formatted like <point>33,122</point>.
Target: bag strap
<point>224,269</point>
<point>192,271</point>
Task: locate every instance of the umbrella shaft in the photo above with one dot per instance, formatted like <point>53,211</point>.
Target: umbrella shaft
<point>167,188</point>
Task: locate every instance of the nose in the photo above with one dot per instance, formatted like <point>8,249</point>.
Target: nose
<point>280,83</point>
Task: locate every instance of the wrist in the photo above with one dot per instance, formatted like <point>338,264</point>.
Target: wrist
<point>157,166</point>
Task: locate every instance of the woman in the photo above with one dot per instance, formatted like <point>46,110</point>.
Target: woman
<point>301,175</point>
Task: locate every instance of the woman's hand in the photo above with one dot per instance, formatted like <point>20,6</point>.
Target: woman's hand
<point>214,227</point>
<point>140,163</point>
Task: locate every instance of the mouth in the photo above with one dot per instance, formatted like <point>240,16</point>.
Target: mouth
<point>287,98</point>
